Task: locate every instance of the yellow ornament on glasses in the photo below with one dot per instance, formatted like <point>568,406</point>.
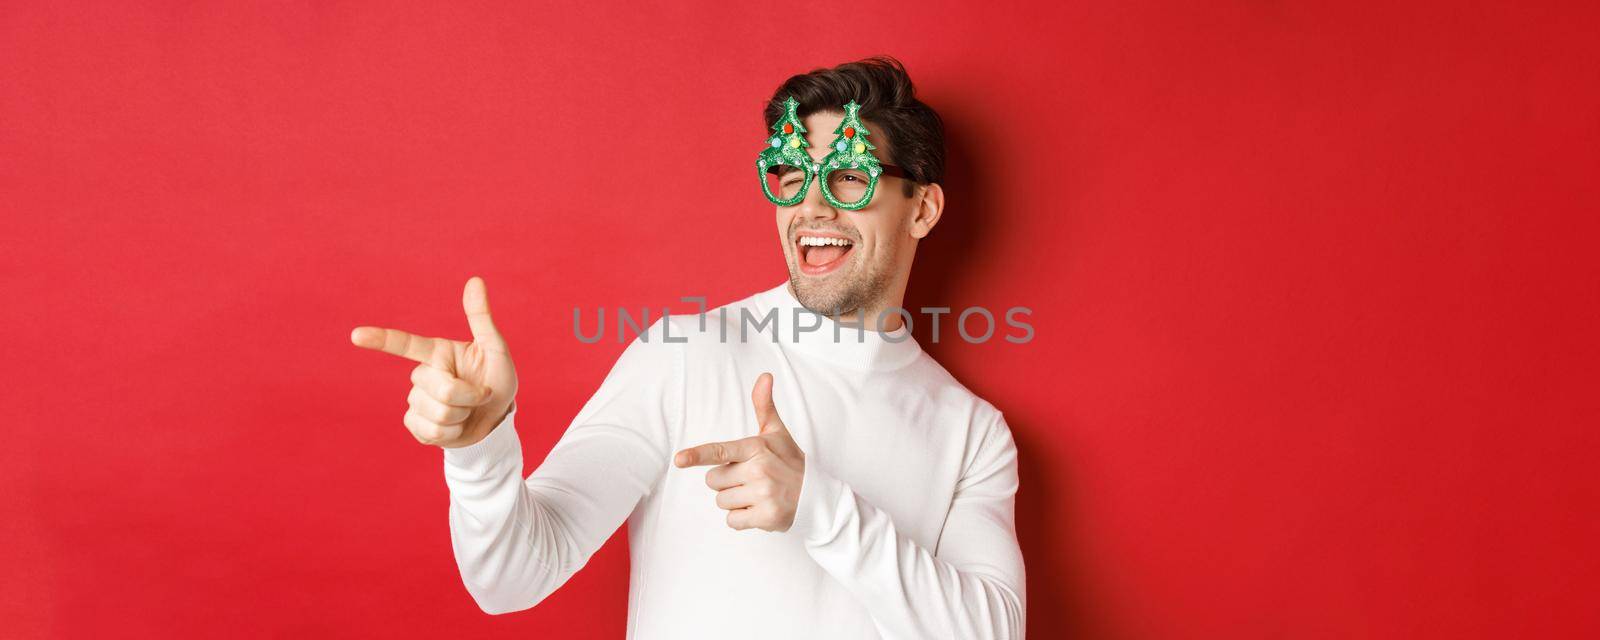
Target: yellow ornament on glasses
<point>860,147</point>
<point>794,142</point>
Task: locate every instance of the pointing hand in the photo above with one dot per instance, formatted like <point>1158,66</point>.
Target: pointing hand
<point>758,478</point>
<point>460,390</point>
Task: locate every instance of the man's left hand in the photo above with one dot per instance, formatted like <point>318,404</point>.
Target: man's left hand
<point>758,478</point>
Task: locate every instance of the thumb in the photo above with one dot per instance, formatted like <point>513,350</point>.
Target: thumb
<point>766,411</point>
<point>475,299</point>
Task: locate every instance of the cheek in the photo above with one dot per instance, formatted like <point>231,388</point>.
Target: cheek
<point>883,236</point>
<point>785,217</point>
<point>883,249</point>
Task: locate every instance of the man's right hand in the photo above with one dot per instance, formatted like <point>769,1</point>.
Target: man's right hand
<point>461,390</point>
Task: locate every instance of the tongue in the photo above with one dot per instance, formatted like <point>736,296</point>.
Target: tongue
<point>819,256</point>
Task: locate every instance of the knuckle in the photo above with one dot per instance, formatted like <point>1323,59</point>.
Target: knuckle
<point>424,431</point>
<point>413,425</point>
<point>454,415</point>
<point>441,415</point>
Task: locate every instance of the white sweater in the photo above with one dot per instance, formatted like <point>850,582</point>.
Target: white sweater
<point>905,521</point>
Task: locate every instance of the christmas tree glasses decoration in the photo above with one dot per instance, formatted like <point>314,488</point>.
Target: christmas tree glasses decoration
<point>786,148</point>
<point>849,172</point>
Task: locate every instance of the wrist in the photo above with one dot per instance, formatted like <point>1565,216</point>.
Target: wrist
<point>484,429</point>
<point>488,452</point>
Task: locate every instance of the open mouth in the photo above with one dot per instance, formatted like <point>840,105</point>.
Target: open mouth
<point>821,254</point>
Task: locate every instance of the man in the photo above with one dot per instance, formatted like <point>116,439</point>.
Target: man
<point>862,492</point>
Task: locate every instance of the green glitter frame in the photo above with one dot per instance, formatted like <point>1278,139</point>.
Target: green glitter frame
<point>787,148</point>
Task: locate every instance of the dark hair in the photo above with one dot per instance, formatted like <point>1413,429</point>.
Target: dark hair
<point>888,101</point>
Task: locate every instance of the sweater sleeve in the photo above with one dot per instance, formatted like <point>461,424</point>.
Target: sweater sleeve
<point>516,540</point>
<point>969,586</point>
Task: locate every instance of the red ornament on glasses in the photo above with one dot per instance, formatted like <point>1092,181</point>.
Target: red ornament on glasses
<point>849,132</point>
<point>788,128</point>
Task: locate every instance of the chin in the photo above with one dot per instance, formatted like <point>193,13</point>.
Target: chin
<point>842,292</point>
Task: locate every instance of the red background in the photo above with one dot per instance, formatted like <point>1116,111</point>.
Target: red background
<point>1314,292</point>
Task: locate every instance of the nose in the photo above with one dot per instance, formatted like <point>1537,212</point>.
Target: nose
<point>814,207</point>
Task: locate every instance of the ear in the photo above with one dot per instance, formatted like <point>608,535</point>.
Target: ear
<point>929,207</point>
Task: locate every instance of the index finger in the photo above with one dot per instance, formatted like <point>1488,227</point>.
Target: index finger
<point>718,452</point>
<point>395,342</point>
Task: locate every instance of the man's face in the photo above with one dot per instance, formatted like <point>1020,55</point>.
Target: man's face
<point>877,245</point>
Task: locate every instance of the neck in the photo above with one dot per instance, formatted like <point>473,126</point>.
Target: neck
<point>851,347</point>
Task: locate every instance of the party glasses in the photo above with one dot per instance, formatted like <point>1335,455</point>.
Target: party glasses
<point>849,173</point>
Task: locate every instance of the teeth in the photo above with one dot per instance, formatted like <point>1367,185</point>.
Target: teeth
<point>818,241</point>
